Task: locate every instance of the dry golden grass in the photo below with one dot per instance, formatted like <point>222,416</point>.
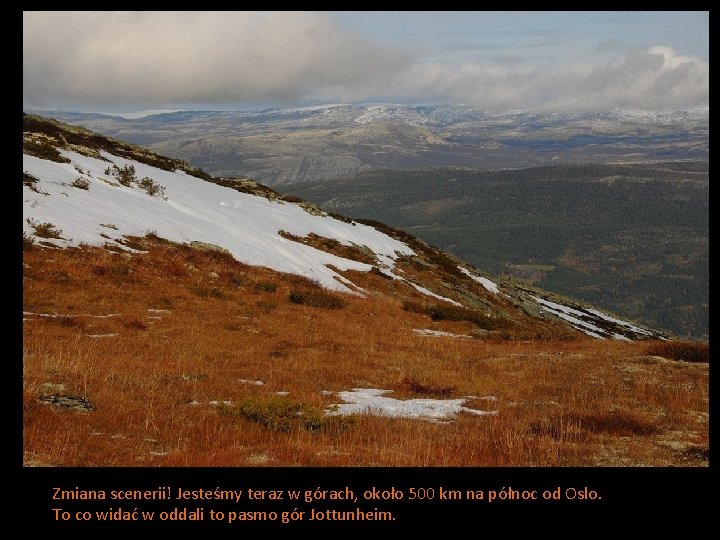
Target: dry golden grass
<point>153,340</point>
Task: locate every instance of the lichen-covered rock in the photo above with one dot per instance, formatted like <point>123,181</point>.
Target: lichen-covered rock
<point>71,402</point>
<point>207,246</point>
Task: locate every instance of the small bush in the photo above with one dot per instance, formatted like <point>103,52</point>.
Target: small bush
<point>341,218</point>
<point>317,298</point>
<point>174,268</point>
<point>45,230</point>
<point>560,428</point>
<point>43,150</point>
<point>120,268</point>
<point>297,297</point>
<point>30,181</point>
<point>279,413</point>
<point>28,241</point>
<point>237,279</point>
<point>60,277</point>
<point>696,452</point>
<point>134,323</point>
<point>427,389</point>
<point>619,423</point>
<point>266,306</point>
<point>414,307</point>
<point>71,321</point>
<point>447,312</point>
<point>133,242</point>
<point>151,187</point>
<point>266,286</point>
<point>197,172</point>
<point>162,302</point>
<point>578,426</point>
<point>685,351</point>
<point>81,183</point>
<point>456,313</point>
<point>204,291</point>
<point>124,175</point>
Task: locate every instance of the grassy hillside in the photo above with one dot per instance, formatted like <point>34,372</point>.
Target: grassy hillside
<point>176,356</point>
<point>633,238</point>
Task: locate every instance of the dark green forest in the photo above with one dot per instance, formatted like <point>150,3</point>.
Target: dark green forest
<point>633,239</point>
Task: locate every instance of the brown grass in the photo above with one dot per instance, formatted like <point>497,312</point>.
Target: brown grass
<point>330,245</point>
<point>157,361</point>
<point>426,388</point>
<point>316,298</point>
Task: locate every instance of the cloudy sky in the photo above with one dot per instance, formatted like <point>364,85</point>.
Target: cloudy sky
<point>555,61</point>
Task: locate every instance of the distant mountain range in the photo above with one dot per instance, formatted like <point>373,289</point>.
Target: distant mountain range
<point>284,146</point>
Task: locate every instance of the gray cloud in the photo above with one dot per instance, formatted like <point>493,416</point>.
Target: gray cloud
<point>172,57</point>
<point>93,59</point>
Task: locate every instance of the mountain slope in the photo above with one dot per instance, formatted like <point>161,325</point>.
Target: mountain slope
<point>100,198</point>
<point>631,238</point>
<point>161,327</point>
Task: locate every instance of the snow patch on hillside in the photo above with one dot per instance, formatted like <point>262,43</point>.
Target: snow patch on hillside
<point>620,322</point>
<point>192,210</point>
<point>571,315</point>
<point>579,319</point>
<point>485,282</point>
<point>439,333</point>
<point>374,402</point>
<point>427,292</point>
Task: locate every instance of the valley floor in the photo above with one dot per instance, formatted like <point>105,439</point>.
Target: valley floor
<point>178,357</point>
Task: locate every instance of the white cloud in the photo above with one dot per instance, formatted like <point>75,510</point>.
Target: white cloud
<point>154,60</point>
<point>654,79</point>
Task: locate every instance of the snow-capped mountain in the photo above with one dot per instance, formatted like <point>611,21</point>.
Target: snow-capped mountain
<point>326,142</point>
<point>340,115</point>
